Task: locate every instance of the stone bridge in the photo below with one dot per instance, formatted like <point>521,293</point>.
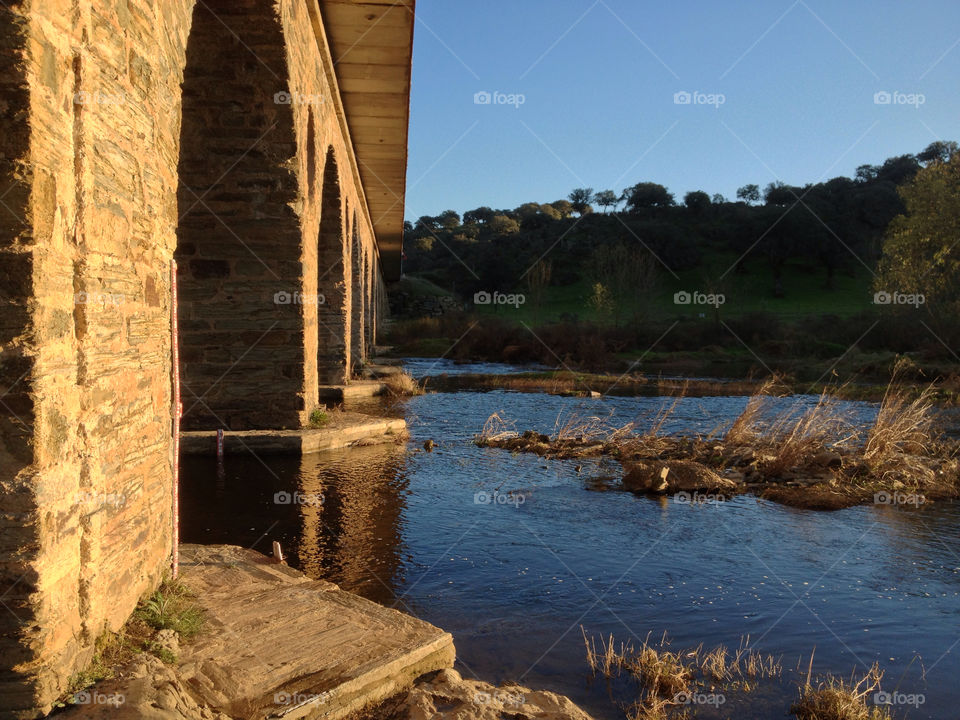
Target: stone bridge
<point>259,144</point>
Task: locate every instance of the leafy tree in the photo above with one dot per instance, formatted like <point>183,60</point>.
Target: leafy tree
<point>697,201</point>
<point>628,276</point>
<point>750,194</point>
<point>867,173</point>
<point>898,170</point>
<point>550,211</point>
<point>448,219</point>
<point>428,222</point>
<point>480,215</point>
<point>719,199</point>
<point>779,194</point>
<point>938,151</point>
<point>600,300</point>
<point>606,198</point>
<point>527,211</point>
<point>564,207</point>
<point>503,225</point>
<point>581,198</point>
<point>921,253</point>
<point>648,195</point>
<point>538,280</point>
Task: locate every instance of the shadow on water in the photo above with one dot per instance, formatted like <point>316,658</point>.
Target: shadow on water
<point>445,536</point>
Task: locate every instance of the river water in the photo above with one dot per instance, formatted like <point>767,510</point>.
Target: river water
<point>513,554</point>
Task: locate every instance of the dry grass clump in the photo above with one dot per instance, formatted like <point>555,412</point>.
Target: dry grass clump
<point>904,428</point>
<point>741,667</point>
<point>666,676</point>
<point>496,428</point>
<point>746,427</point>
<point>660,671</point>
<point>579,428</point>
<point>836,699</point>
<point>793,439</point>
<point>401,384</point>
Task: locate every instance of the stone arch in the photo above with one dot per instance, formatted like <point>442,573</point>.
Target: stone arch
<point>239,240</point>
<point>333,283</point>
<point>358,299</point>
<point>368,304</point>
<point>310,149</point>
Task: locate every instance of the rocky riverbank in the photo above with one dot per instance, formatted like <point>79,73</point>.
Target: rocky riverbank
<point>815,458</point>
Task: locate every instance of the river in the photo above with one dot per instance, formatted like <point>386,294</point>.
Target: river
<point>513,554</point>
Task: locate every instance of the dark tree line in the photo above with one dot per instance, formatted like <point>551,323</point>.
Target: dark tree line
<point>836,225</point>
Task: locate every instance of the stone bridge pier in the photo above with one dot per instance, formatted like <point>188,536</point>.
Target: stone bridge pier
<point>259,144</point>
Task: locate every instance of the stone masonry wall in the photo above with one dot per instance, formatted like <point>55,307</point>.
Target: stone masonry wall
<point>90,113</point>
<point>95,94</point>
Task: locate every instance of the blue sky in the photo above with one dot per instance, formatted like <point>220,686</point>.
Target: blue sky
<point>598,78</point>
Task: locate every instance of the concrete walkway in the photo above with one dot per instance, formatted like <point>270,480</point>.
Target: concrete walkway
<point>344,429</point>
<point>281,645</point>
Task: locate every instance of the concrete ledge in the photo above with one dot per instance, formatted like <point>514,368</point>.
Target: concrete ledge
<point>345,430</point>
<point>356,389</point>
<point>280,645</point>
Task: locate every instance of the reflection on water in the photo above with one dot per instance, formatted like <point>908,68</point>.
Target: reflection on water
<point>514,581</point>
<point>336,515</point>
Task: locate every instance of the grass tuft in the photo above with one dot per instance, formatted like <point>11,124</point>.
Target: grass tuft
<point>319,417</point>
<point>836,699</point>
<point>172,607</point>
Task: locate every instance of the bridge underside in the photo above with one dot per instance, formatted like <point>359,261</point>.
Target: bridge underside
<point>138,133</point>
